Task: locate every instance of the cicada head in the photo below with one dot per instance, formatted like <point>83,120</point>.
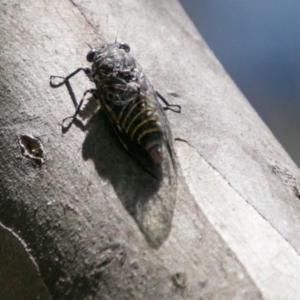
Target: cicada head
<point>110,63</point>
<point>107,48</point>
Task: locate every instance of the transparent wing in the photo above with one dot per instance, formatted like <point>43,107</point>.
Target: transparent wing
<point>155,195</point>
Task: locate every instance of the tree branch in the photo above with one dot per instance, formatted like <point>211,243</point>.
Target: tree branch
<point>86,215</point>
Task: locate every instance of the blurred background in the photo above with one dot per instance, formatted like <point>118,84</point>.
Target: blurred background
<point>258,43</point>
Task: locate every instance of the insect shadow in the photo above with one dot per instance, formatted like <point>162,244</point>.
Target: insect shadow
<point>141,194</point>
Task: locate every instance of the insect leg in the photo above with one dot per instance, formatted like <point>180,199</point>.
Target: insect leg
<point>91,91</point>
<point>87,71</point>
<point>174,107</point>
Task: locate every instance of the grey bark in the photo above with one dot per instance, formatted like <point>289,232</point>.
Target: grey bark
<point>235,227</point>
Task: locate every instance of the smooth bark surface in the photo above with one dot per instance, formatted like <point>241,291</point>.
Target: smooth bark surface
<point>233,232</point>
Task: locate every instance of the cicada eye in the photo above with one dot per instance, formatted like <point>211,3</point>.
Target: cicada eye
<point>90,56</point>
<point>124,46</point>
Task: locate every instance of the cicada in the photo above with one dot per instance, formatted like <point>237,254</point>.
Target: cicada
<point>133,108</point>
<point>130,103</point>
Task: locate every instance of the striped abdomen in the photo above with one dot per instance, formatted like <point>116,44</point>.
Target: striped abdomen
<point>136,117</point>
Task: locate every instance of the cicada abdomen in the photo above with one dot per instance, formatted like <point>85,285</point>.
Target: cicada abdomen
<point>132,108</point>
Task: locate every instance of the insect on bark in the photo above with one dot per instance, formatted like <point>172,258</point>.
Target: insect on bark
<point>131,105</point>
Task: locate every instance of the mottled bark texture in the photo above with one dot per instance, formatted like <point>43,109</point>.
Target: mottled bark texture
<point>84,224</point>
